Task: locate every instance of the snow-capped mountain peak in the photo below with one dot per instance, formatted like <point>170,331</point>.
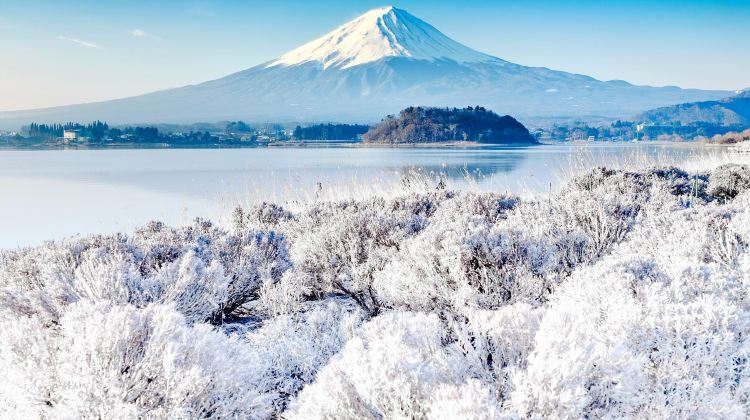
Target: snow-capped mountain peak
<point>380,33</point>
<point>375,65</point>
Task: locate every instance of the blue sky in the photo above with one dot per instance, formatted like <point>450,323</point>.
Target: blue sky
<point>60,52</point>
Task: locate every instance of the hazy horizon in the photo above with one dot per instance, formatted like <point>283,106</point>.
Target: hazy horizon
<point>90,51</point>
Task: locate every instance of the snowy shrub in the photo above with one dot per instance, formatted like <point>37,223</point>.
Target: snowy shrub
<point>500,340</point>
<point>598,210</point>
<point>614,344</point>
<point>341,257</point>
<point>603,206</point>
<point>620,295</point>
<point>338,247</point>
<point>104,360</point>
<point>470,400</point>
<point>412,365</point>
<point>264,215</point>
<point>28,367</point>
<point>657,329</point>
<point>728,236</point>
<point>490,250</point>
<point>581,365</point>
<point>483,267</point>
<point>206,272</point>
<point>393,370</point>
<point>247,258</point>
<point>458,259</point>
<point>727,181</point>
<point>286,296</point>
<point>292,348</point>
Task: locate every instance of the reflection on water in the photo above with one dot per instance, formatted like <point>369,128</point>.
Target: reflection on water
<point>53,194</point>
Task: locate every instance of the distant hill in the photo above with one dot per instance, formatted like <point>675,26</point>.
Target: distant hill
<point>431,125</point>
<point>728,112</point>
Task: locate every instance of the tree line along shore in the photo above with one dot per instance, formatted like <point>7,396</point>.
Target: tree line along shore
<point>413,125</point>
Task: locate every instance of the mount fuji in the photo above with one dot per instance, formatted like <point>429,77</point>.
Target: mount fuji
<point>376,64</point>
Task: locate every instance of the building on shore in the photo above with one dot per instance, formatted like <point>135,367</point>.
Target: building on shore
<point>70,135</point>
<point>73,136</point>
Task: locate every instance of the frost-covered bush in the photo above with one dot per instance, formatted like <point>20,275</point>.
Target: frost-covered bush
<point>728,181</point>
<point>338,247</point>
<point>482,254</point>
<point>341,257</point>
<point>396,368</point>
<point>625,340</point>
<point>105,360</point>
<point>596,211</point>
<point>263,215</point>
<point>657,329</point>
<point>292,348</point>
<point>416,365</point>
<point>459,259</point>
<point>602,206</point>
<point>621,294</point>
<point>485,268</point>
<point>206,272</point>
<point>581,364</point>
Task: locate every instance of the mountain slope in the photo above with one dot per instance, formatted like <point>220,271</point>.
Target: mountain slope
<point>731,111</point>
<point>379,63</point>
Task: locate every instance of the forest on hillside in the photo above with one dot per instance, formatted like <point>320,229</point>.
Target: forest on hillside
<point>431,125</point>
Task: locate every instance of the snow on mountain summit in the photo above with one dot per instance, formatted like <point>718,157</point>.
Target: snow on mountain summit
<point>377,34</point>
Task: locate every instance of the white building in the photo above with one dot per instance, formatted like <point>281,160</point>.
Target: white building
<point>70,135</point>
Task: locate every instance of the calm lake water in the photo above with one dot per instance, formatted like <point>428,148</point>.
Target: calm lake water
<point>55,194</point>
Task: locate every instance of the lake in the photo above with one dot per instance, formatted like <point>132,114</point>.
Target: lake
<point>59,193</point>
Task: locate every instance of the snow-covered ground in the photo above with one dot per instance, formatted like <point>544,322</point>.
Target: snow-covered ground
<point>620,294</point>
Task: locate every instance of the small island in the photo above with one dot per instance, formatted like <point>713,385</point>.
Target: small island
<point>439,125</point>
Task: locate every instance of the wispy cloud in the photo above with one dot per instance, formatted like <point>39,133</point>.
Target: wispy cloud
<point>82,43</point>
<point>140,33</point>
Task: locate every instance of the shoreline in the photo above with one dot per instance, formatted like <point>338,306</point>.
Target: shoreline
<point>337,144</point>
<point>286,144</point>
